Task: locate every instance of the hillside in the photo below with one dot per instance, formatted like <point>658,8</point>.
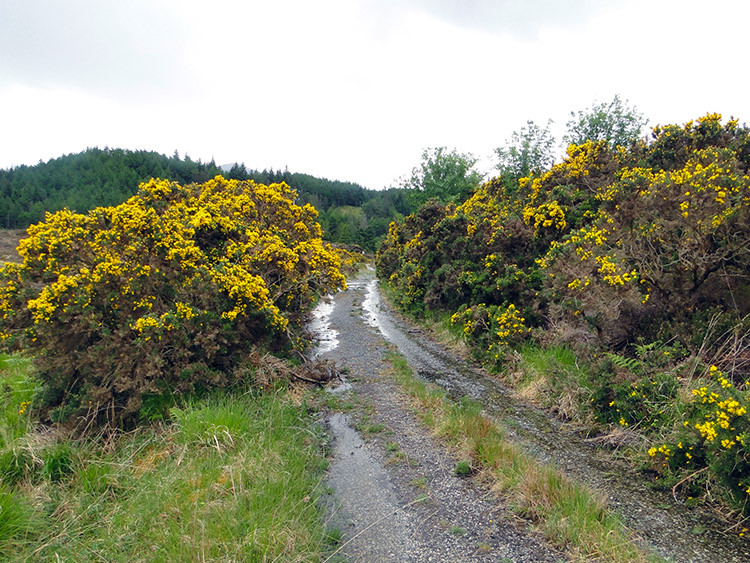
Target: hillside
<point>82,181</point>
<point>8,242</point>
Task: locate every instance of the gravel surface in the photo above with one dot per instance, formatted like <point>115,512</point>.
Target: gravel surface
<point>660,521</point>
<point>396,495</point>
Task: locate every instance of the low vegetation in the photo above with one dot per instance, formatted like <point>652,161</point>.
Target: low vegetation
<point>144,400</point>
<point>234,476</point>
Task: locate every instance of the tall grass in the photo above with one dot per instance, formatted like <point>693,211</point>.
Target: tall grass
<point>570,515</point>
<point>232,477</point>
<point>553,377</point>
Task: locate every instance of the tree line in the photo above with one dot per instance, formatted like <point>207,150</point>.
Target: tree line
<point>349,213</point>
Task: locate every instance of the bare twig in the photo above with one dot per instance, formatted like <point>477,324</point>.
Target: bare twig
<point>681,481</point>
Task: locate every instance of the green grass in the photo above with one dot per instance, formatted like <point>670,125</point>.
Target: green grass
<point>16,393</point>
<point>419,483</point>
<point>457,531</point>
<point>569,515</point>
<point>553,377</point>
<point>233,477</point>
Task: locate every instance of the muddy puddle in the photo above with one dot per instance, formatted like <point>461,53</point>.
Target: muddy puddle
<point>675,531</point>
<point>326,338</point>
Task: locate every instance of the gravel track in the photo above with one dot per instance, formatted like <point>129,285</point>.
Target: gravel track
<point>396,495</point>
<point>379,477</point>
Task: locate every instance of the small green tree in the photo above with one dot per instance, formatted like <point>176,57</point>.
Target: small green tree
<point>615,122</point>
<point>528,151</point>
<point>445,175</point>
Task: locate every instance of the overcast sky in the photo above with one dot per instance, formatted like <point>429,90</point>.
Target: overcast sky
<point>350,89</point>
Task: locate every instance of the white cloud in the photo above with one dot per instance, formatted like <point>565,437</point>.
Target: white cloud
<point>111,48</point>
<point>349,89</point>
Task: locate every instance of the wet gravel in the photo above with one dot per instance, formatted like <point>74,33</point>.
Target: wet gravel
<point>396,496</point>
<point>459,521</point>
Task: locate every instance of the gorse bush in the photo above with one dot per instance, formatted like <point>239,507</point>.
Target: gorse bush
<point>661,243</point>
<point>634,257</point>
<point>491,329</point>
<point>715,436</point>
<point>620,242</point>
<point>162,294</point>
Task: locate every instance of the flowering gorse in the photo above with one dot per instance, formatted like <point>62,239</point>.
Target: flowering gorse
<point>491,328</point>
<point>613,246</point>
<point>166,292</point>
<point>715,434</point>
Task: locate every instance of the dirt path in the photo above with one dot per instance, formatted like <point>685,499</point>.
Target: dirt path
<point>397,496</point>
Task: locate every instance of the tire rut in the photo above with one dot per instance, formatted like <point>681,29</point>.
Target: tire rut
<point>663,523</point>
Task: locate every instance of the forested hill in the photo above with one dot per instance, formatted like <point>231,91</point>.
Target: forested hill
<point>102,177</point>
<point>319,192</point>
<point>349,213</point>
<point>95,177</point>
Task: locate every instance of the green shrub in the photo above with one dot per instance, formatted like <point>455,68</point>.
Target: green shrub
<point>463,469</point>
<point>713,441</point>
<point>491,329</point>
<point>645,403</point>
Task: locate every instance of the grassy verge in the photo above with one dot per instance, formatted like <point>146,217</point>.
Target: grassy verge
<point>232,477</point>
<point>569,515</point>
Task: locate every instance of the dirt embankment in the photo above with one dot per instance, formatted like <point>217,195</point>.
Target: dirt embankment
<point>9,243</point>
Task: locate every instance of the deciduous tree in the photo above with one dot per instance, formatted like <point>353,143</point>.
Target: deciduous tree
<point>616,122</point>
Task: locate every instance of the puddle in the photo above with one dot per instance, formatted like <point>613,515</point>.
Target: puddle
<point>370,304</point>
<point>430,361</point>
<point>368,513</point>
<point>339,388</point>
<point>326,338</point>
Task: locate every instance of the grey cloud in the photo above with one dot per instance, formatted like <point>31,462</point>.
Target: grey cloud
<point>126,48</point>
